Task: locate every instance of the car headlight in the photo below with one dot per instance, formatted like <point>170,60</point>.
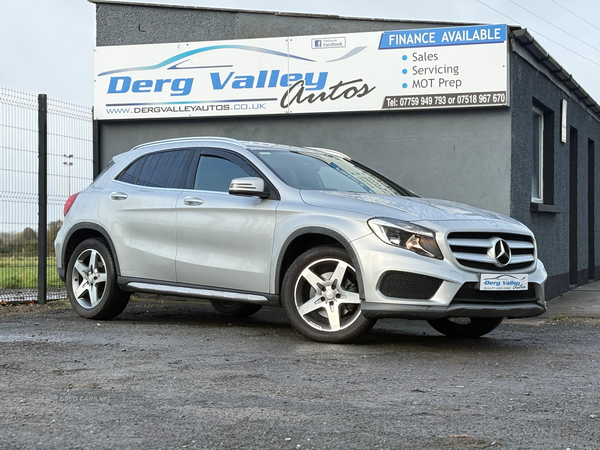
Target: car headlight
<point>406,235</point>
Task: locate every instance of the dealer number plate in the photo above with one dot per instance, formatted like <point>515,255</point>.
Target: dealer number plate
<point>505,282</point>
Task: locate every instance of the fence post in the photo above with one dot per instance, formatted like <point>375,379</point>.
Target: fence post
<point>42,195</point>
<point>97,164</point>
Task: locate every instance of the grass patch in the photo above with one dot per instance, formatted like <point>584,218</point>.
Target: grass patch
<point>22,273</point>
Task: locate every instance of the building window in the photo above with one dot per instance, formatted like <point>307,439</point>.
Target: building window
<point>542,158</point>
<point>537,152</point>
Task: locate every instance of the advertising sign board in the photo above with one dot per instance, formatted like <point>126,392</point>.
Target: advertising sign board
<point>408,69</point>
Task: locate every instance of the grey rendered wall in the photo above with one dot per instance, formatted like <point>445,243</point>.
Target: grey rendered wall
<point>461,155</point>
<point>118,24</point>
<point>552,229</point>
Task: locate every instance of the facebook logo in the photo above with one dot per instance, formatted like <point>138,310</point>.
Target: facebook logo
<point>333,42</point>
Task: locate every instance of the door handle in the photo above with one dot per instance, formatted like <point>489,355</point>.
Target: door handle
<point>118,196</point>
<point>192,201</point>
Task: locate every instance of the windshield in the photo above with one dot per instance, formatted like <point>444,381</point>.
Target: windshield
<point>313,170</point>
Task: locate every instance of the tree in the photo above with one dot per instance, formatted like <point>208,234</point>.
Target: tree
<point>29,234</point>
<point>53,228</point>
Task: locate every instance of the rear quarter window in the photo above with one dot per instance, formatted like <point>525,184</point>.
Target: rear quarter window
<point>169,169</point>
<point>131,173</point>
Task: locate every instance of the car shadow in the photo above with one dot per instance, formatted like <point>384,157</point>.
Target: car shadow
<point>386,333</point>
<point>197,312</point>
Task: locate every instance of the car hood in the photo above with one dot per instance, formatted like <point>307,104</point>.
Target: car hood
<point>405,208</point>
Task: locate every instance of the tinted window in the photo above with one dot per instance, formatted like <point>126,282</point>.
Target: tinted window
<point>130,175</point>
<point>215,174</point>
<point>166,169</point>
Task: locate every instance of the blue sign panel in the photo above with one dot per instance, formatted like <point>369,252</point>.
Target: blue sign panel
<point>436,37</point>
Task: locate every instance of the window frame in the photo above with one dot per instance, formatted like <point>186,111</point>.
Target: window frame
<point>540,151</point>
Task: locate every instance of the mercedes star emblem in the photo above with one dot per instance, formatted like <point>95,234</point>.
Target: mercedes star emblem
<point>501,253</point>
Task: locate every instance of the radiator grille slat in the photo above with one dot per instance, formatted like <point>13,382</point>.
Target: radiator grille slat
<point>473,257</point>
<point>483,243</point>
<point>519,244</point>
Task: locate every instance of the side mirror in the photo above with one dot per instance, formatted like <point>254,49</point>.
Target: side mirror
<point>248,186</point>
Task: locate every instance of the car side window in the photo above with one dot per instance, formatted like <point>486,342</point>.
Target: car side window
<point>215,173</point>
<point>168,169</point>
<point>131,173</point>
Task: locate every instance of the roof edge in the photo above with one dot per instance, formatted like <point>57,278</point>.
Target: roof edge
<point>275,13</point>
<point>523,36</point>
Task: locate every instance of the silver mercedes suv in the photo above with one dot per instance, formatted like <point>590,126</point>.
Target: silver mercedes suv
<point>247,224</point>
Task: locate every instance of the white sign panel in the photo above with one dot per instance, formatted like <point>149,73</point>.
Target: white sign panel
<point>408,69</point>
<point>495,282</point>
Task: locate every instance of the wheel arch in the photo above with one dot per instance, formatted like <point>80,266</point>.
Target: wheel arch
<point>79,233</point>
<point>306,238</point>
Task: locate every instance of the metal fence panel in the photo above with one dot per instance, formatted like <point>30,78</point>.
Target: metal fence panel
<point>69,170</point>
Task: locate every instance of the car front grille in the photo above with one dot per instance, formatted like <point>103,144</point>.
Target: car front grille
<point>408,285</point>
<point>475,250</point>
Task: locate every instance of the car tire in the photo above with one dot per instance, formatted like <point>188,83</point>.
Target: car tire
<point>472,327</point>
<point>92,282</point>
<point>235,309</point>
<point>321,298</point>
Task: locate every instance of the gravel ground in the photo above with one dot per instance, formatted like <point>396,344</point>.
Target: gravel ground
<point>169,374</point>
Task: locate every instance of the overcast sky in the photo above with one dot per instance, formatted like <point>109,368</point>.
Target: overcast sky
<point>47,44</point>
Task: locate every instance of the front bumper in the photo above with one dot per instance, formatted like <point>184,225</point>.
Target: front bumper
<point>457,295</point>
<point>373,310</point>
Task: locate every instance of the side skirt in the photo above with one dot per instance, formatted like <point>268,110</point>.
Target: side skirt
<point>205,292</point>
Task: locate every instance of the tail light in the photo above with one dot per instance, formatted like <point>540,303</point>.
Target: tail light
<point>70,202</point>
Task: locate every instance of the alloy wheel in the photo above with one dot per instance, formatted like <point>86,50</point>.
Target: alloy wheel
<point>326,295</point>
<point>89,278</point>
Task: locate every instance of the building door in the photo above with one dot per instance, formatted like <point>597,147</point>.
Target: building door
<point>591,210</point>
